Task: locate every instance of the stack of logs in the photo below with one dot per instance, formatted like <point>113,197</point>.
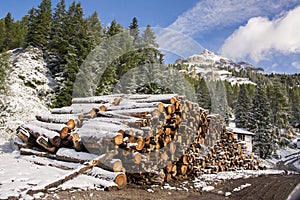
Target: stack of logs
<point>151,138</point>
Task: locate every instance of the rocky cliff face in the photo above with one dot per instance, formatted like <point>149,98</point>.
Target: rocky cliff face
<point>29,89</point>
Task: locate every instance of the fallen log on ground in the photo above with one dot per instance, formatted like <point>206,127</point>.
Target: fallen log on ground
<point>111,179</point>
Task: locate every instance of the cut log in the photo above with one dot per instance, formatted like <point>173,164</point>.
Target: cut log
<point>140,144</point>
<point>71,124</point>
<point>25,151</point>
<point>136,112</point>
<point>45,143</point>
<point>38,131</point>
<point>118,178</point>
<point>49,126</point>
<point>57,118</point>
<point>63,179</point>
<point>64,132</point>
<point>114,165</point>
<point>99,141</point>
<point>24,135</point>
<point>96,99</point>
<point>65,155</point>
<point>78,145</point>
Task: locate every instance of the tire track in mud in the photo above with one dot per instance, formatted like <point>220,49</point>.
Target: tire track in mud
<point>275,187</point>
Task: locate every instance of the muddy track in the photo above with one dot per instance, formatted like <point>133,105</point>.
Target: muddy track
<point>275,187</point>
<point>266,187</point>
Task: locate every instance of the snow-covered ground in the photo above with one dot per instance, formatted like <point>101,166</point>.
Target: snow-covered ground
<point>288,156</point>
<point>29,90</point>
<point>18,174</point>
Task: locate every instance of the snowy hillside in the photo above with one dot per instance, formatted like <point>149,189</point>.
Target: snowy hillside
<point>208,64</point>
<point>29,90</point>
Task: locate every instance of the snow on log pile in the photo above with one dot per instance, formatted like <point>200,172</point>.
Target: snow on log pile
<point>150,138</point>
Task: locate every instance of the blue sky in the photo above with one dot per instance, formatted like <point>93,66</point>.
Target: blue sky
<point>265,33</point>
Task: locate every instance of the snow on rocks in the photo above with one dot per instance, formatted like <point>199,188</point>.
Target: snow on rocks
<point>227,194</point>
<point>241,187</point>
<point>150,190</point>
<point>29,88</point>
<point>208,188</point>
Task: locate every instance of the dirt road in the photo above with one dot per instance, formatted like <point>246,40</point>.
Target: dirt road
<point>273,187</point>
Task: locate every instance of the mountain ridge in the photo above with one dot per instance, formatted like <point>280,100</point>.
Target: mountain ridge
<point>207,58</point>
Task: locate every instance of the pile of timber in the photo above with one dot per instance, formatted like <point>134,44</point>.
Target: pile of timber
<point>227,154</point>
<point>150,138</point>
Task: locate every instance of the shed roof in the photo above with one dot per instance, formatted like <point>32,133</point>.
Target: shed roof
<point>240,131</point>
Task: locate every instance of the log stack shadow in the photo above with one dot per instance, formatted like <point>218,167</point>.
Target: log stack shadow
<point>145,138</point>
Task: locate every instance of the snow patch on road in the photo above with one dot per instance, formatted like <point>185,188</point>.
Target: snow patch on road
<point>241,187</point>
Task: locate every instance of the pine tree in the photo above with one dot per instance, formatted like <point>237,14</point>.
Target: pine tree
<point>76,49</point>
<point>20,32</point>
<point>108,81</point>
<point>57,48</point>
<point>261,123</point>
<point>40,24</point>
<point>114,29</point>
<point>58,29</point>
<point>2,35</point>
<point>149,46</point>
<point>134,29</point>
<point>217,93</point>
<point>294,97</point>
<point>4,67</point>
<point>232,92</point>
<point>94,29</point>
<point>32,23</point>
<point>13,34</point>
<point>242,108</point>
<point>279,104</point>
<point>148,38</point>
<point>76,30</point>
<point>9,23</point>
<point>203,95</point>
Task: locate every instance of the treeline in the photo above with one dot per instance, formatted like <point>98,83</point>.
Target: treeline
<point>67,37</point>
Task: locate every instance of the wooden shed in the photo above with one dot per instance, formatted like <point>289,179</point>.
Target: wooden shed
<point>243,135</point>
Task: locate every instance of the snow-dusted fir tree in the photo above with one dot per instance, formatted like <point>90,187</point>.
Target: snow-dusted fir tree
<point>242,107</point>
<point>39,25</point>
<point>218,94</point>
<point>203,95</point>
<point>4,67</point>
<point>294,97</point>
<point>260,123</point>
<point>279,104</point>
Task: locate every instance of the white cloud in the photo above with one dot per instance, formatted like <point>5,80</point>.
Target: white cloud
<point>273,66</point>
<point>296,65</point>
<point>261,37</point>
<point>211,14</point>
<point>176,42</point>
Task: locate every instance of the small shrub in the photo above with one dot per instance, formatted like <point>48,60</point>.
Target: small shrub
<point>30,84</point>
